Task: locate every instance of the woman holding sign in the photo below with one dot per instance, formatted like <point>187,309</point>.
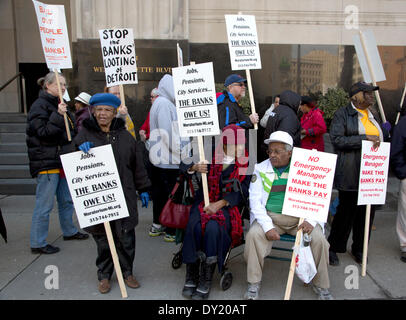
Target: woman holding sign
<point>211,230</point>
<point>105,128</point>
<point>46,140</point>
<point>350,126</point>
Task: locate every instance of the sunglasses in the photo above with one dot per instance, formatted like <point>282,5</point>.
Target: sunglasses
<point>240,84</point>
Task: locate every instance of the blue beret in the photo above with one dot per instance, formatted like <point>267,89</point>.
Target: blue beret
<point>105,99</point>
<point>233,79</point>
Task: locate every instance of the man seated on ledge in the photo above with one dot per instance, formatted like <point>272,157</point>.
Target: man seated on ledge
<point>267,193</point>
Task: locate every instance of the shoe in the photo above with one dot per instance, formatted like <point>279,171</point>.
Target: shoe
<point>323,294</point>
<point>169,238</point>
<point>77,236</point>
<point>131,282</point>
<point>403,256</point>
<point>357,256</point>
<point>252,291</point>
<point>48,249</point>
<point>206,277</point>
<point>192,279</point>
<point>156,231</point>
<point>333,259</point>
<point>104,286</point>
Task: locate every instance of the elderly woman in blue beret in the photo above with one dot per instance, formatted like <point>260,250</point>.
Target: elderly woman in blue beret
<point>101,129</point>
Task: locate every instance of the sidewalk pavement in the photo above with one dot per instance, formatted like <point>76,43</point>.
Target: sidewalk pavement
<point>23,275</point>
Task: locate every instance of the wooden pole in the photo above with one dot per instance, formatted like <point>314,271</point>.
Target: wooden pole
<point>293,262</point>
<point>65,117</point>
<point>371,72</point>
<point>252,102</point>
<point>401,104</point>
<point>366,238</point>
<point>115,260</point>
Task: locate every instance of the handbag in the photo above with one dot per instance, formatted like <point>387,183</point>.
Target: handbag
<point>176,211</point>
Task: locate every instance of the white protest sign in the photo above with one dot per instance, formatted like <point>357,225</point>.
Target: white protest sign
<point>195,97</point>
<point>310,182</point>
<point>95,186</point>
<point>373,54</point>
<point>119,57</point>
<point>54,35</point>
<point>243,42</point>
<point>373,176</point>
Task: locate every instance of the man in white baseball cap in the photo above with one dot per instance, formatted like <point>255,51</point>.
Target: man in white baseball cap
<point>83,108</point>
<point>266,196</point>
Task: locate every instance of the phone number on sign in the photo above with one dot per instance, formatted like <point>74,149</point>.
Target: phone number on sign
<point>104,217</point>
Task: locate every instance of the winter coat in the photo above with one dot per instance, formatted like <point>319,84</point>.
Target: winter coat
<point>346,134</point>
<point>46,134</point>
<point>315,127</point>
<point>230,111</point>
<point>129,160</point>
<point>166,147</point>
<point>284,117</point>
<point>398,149</point>
<point>81,115</point>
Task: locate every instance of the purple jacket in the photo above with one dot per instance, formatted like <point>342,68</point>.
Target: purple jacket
<point>81,115</point>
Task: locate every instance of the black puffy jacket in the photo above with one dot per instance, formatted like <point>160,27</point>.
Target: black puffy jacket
<point>284,117</point>
<point>231,112</point>
<point>46,134</point>
<point>347,143</point>
<point>128,154</point>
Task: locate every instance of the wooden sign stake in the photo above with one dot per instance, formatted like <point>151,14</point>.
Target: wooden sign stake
<point>366,237</point>
<point>293,262</point>
<point>65,117</point>
<point>251,93</point>
<point>115,260</point>
<point>371,72</point>
<point>401,104</point>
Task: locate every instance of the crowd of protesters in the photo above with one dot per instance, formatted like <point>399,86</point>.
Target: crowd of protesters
<point>152,164</point>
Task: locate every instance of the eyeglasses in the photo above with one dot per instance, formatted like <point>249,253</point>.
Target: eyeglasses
<point>240,84</point>
<point>276,152</point>
<point>104,109</point>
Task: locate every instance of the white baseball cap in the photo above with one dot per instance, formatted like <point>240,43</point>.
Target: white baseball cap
<point>280,136</point>
<point>84,98</point>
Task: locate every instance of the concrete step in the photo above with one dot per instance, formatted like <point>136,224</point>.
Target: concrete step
<point>13,147</point>
<point>6,137</point>
<point>13,117</point>
<point>18,186</point>
<point>14,158</point>
<point>13,127</point>
<point>15,172</point>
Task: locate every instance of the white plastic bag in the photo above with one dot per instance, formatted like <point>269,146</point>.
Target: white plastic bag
<point>305,266</point>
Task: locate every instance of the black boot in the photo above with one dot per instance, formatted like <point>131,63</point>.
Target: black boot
<point>206,275</point>
<point>192,278</point>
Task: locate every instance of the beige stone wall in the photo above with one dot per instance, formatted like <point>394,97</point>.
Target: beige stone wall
<point>8,67</point>
<point>299,21</point>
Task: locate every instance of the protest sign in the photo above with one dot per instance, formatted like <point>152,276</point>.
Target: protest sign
<point>244,48</point>
<point>243,42</point>
<point>373,181</point>
<point>370,62</point>
<point>97,194</point>
<point>377,73</point>
<point>55,43</point>
<point>373,176</point>
<point>195,97</point>
<point>54,35</point>
<point>310,182</point>
<point>95,186</point>
<point>308,193</point>
<point>119,58</point>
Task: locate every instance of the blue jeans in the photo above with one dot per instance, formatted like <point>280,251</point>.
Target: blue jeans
<point>49,185</point>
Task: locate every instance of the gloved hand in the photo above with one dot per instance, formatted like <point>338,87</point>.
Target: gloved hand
<point>85,146</point>
<point>144,199</point>
<point>387,126</point>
